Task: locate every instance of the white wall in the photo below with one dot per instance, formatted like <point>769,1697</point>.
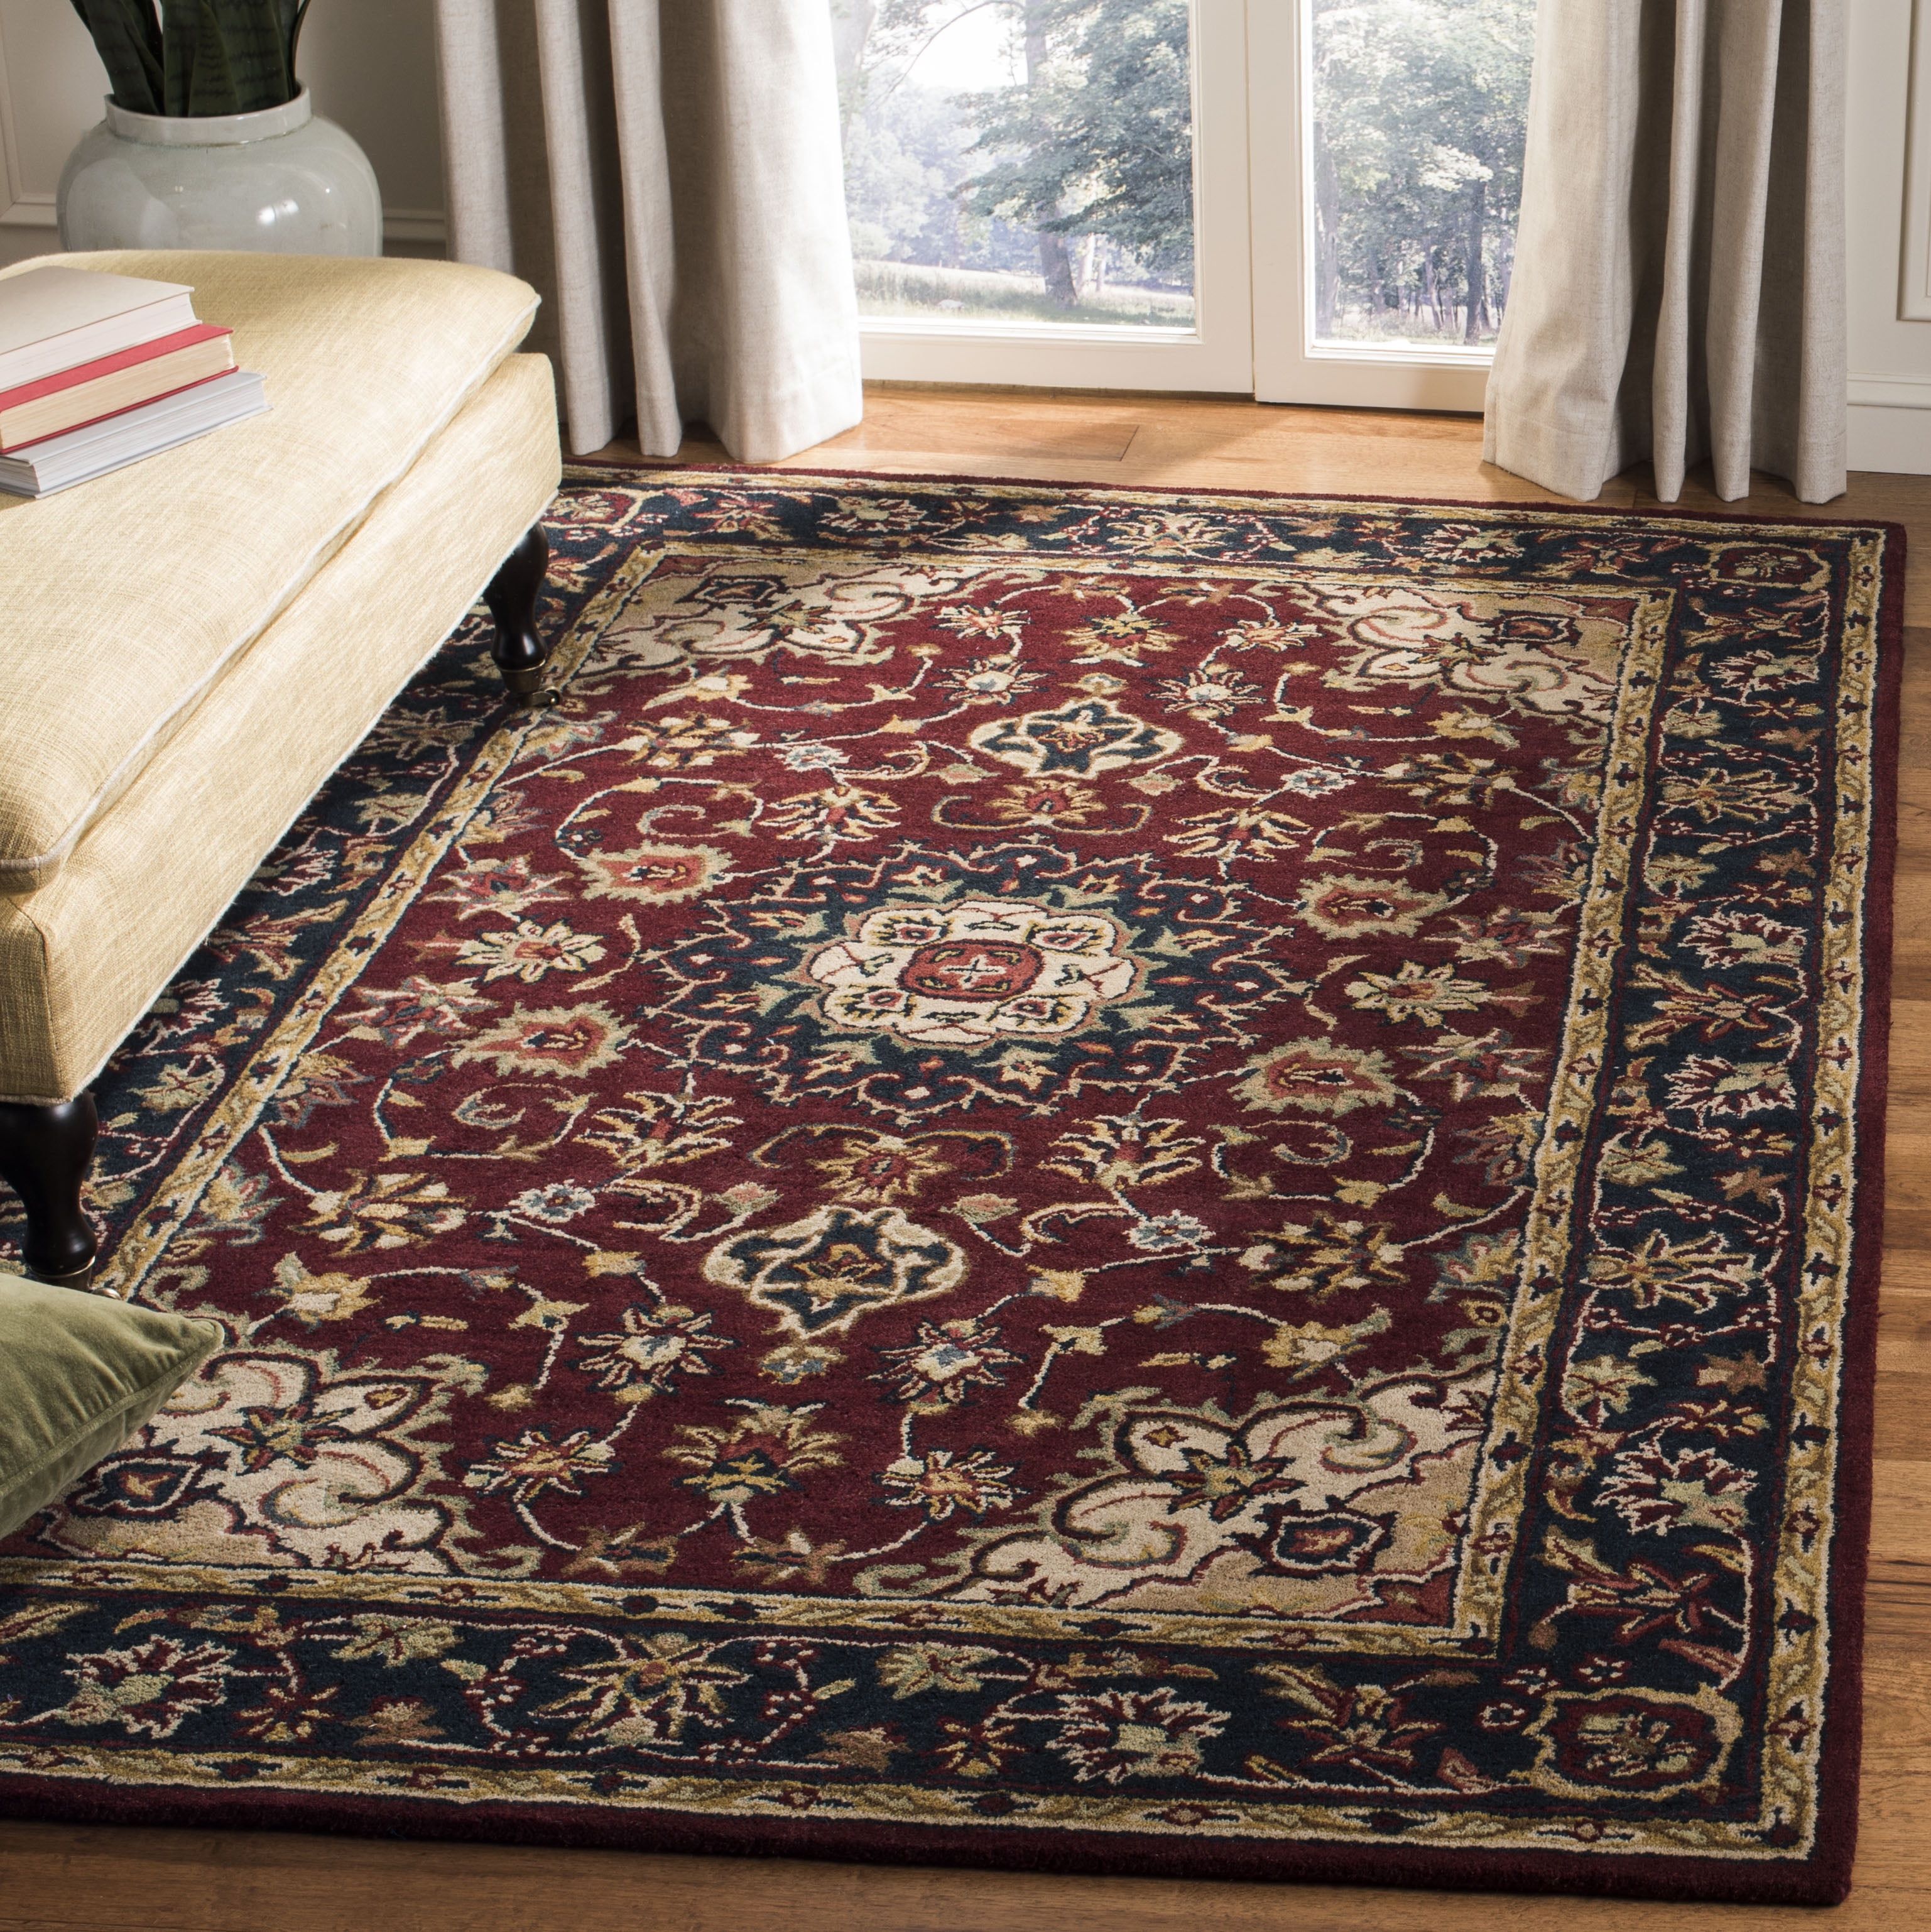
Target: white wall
<point>1890,355</point>
<point>371,65</point>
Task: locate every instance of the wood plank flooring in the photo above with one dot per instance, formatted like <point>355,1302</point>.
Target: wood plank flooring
<point>98,1879</point>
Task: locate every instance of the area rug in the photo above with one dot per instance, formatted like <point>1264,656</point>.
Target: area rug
<point>1157,1183</point>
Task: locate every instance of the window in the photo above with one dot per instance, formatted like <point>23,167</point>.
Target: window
<point>1058,191</point>
<point>1394,155</point>
<point>998,174</point>
<point>1049,190</point>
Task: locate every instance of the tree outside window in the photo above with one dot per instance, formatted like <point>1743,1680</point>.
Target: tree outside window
<point>1022,161</point>
<point>1031,162</point>
<point>1419,110</point>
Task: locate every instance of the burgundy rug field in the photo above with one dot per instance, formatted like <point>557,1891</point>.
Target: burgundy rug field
<point>1059,1177</point>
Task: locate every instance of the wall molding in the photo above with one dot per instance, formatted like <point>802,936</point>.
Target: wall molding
<point>431,225</point>
<point>16,204</point>
<point>420,225</point>
<point>1890,392</point>
<point>1914,280</point>
<point>28,210</point>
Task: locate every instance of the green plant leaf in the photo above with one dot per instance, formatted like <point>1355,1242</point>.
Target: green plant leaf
<point>181,24</point>
<point>255,41</point>
<point>225,56</point>
<point>127,36</point>
<point>196,56</point>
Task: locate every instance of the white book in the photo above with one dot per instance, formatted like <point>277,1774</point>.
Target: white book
<point>59,462</point>
<point>54,319</point>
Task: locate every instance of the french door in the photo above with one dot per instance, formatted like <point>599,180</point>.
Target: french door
<point>1300,200</point>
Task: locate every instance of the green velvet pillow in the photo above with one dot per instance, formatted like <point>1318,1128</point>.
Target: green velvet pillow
<point>79,1374</point>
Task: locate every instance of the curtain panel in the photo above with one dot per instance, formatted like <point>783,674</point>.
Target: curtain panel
<point>668,173</point>
<point>1678,290</point>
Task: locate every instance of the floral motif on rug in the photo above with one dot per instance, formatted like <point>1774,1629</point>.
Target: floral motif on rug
<point>1058,1177</point>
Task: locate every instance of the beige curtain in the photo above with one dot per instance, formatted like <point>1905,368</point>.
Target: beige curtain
<point>1679,279</point>
<point>668,173</point>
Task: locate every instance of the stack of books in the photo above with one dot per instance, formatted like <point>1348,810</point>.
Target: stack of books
<point>98,371</point>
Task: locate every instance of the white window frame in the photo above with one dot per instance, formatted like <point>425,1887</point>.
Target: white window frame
<point>1289,367</point>
<point>1254,257</point>
<point>1215,355</point>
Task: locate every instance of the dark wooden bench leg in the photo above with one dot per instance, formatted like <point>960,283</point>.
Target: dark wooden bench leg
<point>519,651</point>
<point>45,1152</point>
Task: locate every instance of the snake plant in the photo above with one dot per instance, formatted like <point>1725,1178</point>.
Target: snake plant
<point>196,56</point>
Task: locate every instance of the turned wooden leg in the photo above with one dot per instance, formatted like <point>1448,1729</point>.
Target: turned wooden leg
<point>519,651</point>
<point>44,1155</point>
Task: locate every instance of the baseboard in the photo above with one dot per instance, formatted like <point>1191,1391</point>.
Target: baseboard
<point>1885,437</point>
<point>1890,424</point>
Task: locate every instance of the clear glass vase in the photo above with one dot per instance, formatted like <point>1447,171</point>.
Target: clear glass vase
<point>281,181</point>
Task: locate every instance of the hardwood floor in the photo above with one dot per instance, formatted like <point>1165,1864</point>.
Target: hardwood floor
<point>97,1878</point>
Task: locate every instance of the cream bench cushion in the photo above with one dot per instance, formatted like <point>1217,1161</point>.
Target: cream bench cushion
<point>127,600</point>
<point>176,747</point>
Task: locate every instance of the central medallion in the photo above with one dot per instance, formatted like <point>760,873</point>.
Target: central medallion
<point>930,978</point>
<point>974,972</point>
<point>972,969</point>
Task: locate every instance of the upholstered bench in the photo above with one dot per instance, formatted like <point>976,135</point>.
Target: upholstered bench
<point>190,646</point>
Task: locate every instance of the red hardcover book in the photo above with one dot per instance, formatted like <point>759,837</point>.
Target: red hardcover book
<point>71,398</point>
